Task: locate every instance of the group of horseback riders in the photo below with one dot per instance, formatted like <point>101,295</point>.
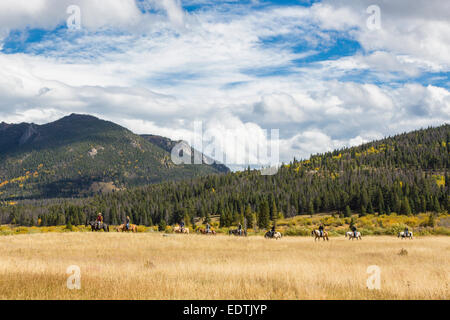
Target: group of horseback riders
<point>207,227</point>
<point>240,230</point>
<point>99,222</point>
<point>354,230</point>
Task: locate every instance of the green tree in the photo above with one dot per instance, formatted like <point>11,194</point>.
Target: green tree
<point>162,225</point>
<point>405,207</point>
<point>311,207</point>
<point>264,215</point>
<point>348,212</point>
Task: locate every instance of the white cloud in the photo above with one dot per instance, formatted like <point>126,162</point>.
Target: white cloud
<point>161,71</point>
<point>420,31</point>
<point>47,14</point>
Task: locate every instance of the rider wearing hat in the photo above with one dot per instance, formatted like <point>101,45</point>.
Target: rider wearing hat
<point>99,219</point>
<point>272,231</point>
<point>182,225</point>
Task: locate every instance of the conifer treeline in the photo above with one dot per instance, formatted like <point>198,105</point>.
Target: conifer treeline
<point>406,174</point>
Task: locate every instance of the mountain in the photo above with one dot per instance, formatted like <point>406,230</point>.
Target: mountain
<point>82,155</point>
<point>404,174</point>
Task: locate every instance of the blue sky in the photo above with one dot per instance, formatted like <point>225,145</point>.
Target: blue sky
<point>314,70</point>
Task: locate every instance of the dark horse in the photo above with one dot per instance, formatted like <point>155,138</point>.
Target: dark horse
<point>203,231</point>
<point>95,227</point>
<point>236,232</point>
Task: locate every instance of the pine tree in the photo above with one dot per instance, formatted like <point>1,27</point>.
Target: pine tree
<point>431,220</point>
<point>405,207</point>
<point>248,216</point>
<point>348,212</point>
<point>273,210</point>
<point>222,219</point>
<point>311,208</point>
<point>207,218</point>
<point>363,211</point>
<point>162,225</point>
<point>436,206</point>
<point>264,215</point>
<point>370,208</point>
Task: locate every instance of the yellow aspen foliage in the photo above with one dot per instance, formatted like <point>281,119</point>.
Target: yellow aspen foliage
<point>4,183</point>
<point>440,180</point>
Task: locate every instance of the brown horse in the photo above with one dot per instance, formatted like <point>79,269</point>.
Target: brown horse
<point>203,231</point>
<point>316,234</point>
<point>178,229</point>
<point>122,228</point>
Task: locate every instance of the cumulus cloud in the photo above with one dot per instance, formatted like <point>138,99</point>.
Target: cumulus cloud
<point>421,31</point>
<point>155,68</point>
<point>47,14</point>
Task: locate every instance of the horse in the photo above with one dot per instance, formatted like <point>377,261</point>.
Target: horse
<point>402,235</point>
<point>203,231</point>
<point>178,229</point>
<point>272,235</point>
<point>316,234</point>
<point>123,228</point>
<point>236,232</point>
<point>351,235</point>
<point>95,226</point>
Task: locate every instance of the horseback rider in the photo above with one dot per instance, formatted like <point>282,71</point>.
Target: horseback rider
<point>406,231</point>
<point>99,220</point>
<point>272,231</point>
<point>240,229</point>
<point>182,225</point>
<point>353,228</point>
<point>321,230</point>
<point>127,223</point>
<point>208,228</point>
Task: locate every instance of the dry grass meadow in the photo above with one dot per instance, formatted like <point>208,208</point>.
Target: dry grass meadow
<point>153,266</point>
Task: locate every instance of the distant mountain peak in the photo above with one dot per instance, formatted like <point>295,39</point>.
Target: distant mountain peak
<point>4,125</point>
<point>78,116</point>
<point>71,154</point>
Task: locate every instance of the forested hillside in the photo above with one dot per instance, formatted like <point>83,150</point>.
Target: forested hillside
<point>405,174</point>
<point>80,155</point>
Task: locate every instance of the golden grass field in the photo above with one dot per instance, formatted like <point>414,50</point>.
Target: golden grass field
<point>153,266</point>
